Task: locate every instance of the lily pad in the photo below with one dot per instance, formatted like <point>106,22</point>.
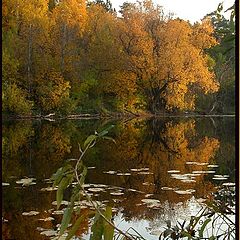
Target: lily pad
<point>116,193</point>
<point>144,173</point>
<point>212,166</point>
<point>123,174</point>
<point>31,213</point>
<point>150,201</point>
<point>181,192</point>
<point>91,168</point>
<point>49,233</point>
<point>173,171</point>
<point>110,172</point>
<point>26,181</point>
<point>58,212</point>
<point>166,188</point>
<point>46,219</point>
<point>229,184</point>
<point>62,203</point>
<point>49,189</point>
<point>96,189</point>
<point>5,184</point>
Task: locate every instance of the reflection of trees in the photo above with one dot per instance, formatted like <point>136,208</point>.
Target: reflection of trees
<point>161,146</point>
<point>15,137</point>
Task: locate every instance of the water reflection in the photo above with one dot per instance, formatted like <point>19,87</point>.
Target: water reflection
<point>167,160</point>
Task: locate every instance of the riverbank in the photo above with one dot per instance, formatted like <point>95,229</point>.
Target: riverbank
<point>53,116</point>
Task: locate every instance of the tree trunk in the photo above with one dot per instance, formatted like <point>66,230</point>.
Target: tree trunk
<point>63,46</point>
<point>29,65</point>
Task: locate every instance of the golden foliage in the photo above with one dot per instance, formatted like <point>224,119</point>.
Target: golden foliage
<point>51,90</point>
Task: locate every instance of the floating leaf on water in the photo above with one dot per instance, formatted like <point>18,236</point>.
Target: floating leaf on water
<point>225,176</point>
<point>123,174</point>
<point>62,203</point>
<point>190,163</point>
<point>212,166</point>
<point>188,180</point>
<point>201,164</point>
<point>147,183</point>
<point>26,181</point>
<point>58,212</point>
<point>5,184</point>
<point>96,189</point>
<point>133,190</point>
<point>49,189</point>
<point>144,173</point>
<point>191,190</point>
<point>99,185</point>
<point>110,172</point>
<point>166,188</point>
<point>173,171</point>
<point>31,213</point>
<point>49,233</point>
<point>76,208</point>
<point>91,168</point>
<point>40,229</point>
<point>150,201</point>
<point>179,176</point>
<point>201,200</point>
<point>114,209</point>
<point>219,178</point>
<point>182,192</point>
<point>229,184</point>
<point>148,195</point>
<point>139,169</point>
<point>154,206</point>
<point>46,219</point>
<point>116,193</point>
<point>203,172</point>
<point>84,185</point>
<point>143,169</point>
<point>134,169</point>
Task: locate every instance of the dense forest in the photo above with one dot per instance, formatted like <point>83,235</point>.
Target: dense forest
<point>72,57</point>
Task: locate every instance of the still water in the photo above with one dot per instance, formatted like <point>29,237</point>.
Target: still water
<point>158,170</point>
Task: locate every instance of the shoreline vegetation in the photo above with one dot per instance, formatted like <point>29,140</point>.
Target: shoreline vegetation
<point>112,115</point>
<point>91,59</point>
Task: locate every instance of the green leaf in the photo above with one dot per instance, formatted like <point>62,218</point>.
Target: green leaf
<point>212,238</point>
<point>109,138</point>
<point>84,173</point>
<point>61,172</point>
<point>105,131</point>
<point>89,140</point>
<point>167,232</point>
<point>62,186</point>
<point>203,226</point>
<point>57,177</point>
<point>97,228</point>
<point>75,227</point>
<point>168,222</point>
<point>66,219</point>
<point>186,234</point>
<point>108,229</point>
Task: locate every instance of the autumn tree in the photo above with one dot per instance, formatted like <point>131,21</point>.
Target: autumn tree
<point>52,92</point>
<point>101,54</point>
<point>165,57</point>
<point>68,23</point>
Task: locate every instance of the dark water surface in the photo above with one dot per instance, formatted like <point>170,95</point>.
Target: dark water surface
<point>175,161</point>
